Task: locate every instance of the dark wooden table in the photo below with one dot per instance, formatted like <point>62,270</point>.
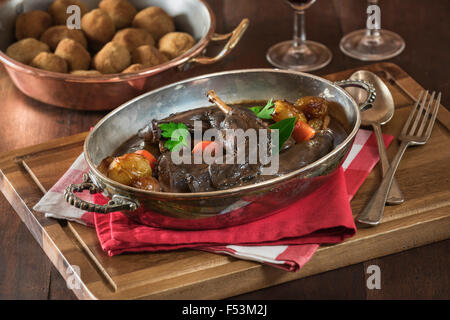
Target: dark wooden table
<point>27,273</point>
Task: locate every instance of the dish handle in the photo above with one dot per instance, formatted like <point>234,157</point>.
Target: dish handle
<point>234,38</point>
<point>371,92</point>
<point>117,203</point>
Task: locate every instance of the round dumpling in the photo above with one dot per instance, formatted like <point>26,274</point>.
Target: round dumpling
<point>155,20</point>
<point>131,38</point>
<point>58,10</point>
<point>74,53</point>
<point>133,68</point>
<point>50,62</point>
<point>113,58</point>
<point>175,44</point>
<point>32,24</point>
<point>121,12</point>
<point>26,49</point>
<point>86,72</point>
<point>148,56</point>
<point>98,27</point>
<point>55,34</point>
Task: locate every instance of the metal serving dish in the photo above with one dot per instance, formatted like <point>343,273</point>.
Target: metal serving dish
<point>109,91</point>
<point>218,208</point>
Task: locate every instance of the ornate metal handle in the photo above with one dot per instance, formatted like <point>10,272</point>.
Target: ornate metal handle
<point>372,94</point>
<point>234,38</point>
<point>118,203</point>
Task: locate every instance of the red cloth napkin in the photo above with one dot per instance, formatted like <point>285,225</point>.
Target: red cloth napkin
<point>324,216</point>
<point>287,239</point>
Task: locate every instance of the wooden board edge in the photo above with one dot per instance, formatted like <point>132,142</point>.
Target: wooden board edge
<point>42,236</point>
<point>242,276</point>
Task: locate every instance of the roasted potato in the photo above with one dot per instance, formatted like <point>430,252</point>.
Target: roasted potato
<point>284,110</point>
<point>129,167</point>
<point>147,183</point>
<point>312,107</point>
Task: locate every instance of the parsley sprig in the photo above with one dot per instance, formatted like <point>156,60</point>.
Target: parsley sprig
<point>264,112</point>
<point>176,133</point>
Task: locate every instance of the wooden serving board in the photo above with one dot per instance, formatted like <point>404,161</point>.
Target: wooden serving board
<point>424,218</point>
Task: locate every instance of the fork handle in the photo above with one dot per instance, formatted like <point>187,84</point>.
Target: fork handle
<point>373,212</point>
<point>395,195</point>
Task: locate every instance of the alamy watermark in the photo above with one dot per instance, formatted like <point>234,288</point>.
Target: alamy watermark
<point>374,279</point>
<point>74,20</point>
<point>231,146</point>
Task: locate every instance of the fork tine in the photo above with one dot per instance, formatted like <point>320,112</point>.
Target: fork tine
<point>419,114</point>
<point>406,125</point>
<point>433,117</point>
<point>425,117</point>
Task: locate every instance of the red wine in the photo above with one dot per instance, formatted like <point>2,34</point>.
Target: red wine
<point>301,4</point>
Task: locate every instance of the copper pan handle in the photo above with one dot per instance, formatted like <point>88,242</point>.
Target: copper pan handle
<point>233,37</point>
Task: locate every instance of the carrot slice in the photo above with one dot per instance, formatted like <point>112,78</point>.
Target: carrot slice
<point>303,132</point>
<point>211,146</point>
<point>151,158</point>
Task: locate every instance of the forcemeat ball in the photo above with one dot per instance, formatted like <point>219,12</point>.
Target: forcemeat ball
<point>26,49</point>
<point>121,12</point>
<point>74,53</point>
<point>113,58</point>
<point>175,44</point>
<point>55,34</point>
<point>155,20</point>
<point>86,72</point>
<point>50,62</point>
<point>58,10</point>
<point>131,38</point>
<point>148,56</point>
<point>32,24</point>
<point>133,68</point>
<point>98,27</point>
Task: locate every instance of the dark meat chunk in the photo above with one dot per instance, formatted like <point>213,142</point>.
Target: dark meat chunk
<point>225,176</point>
<point>150,133</point>
<point>183,177</point>
<point>172,177</point>
<point>307,152</point>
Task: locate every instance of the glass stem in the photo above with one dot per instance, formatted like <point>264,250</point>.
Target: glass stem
<point>372,32</point>
<point>299,30</point>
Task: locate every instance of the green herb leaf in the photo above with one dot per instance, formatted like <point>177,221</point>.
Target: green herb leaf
<point>256,109</point>
<point>264,112</point>
<point>285,127</point>
<point>168,130</point>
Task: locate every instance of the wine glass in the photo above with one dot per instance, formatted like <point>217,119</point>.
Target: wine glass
<point>372,43</point>
<point>299,54</point>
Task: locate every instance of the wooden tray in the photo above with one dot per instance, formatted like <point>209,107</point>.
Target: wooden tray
<point>188,274</point>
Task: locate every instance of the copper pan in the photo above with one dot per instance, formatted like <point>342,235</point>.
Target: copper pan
<point>109,91</point>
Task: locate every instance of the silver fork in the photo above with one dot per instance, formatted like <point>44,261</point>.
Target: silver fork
<point>373,212</point>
